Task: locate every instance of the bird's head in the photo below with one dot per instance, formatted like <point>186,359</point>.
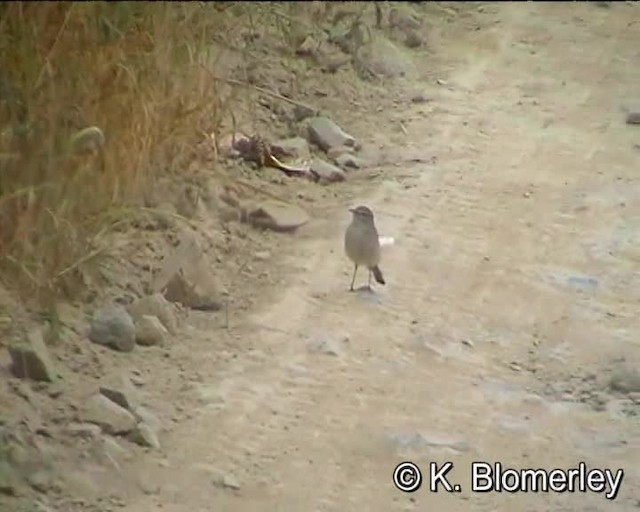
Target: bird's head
<point>361,212</point>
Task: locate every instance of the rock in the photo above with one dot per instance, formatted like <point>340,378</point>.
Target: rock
<point>83,430</point>
<point>335,152</point>
<point>350,161</point>
<point>81,482</point>
<point>582,282</point>
<point>155,305</point>
<point>41,480</point>
<point>325,134</point>
<point>327,345</point>
<point>112,418</point>
<point>227,480</point>
<point>625,379</point>
<point>145,435</point>
<point>71,317</point>
<point>148,485</point>
<point>150,331</point>
<point>112,326</point>
<point>327,172</point>
<point>41,507</point>
<point>301,112</point>
<point>296,147</point>
<point>277,216</point>
<point>188,201</point>
<point>113,451</point>
<point>413,39</point>
<point>137,379</point>
<point>633,118</point>
<point>9,480</point>
<point>23,390</point>
<point>88,140</point>
<point>30,359</point>
<point>144,415</point>
<point>419,97</point>
<point>403,18</point>
<point>383,59</point>
<point>195,288</point>
<point>186,278</point>
<point>308,47</point>
<point>332,64</point>
<point>262,255</point>
<point>121,391</point>
<point>419,441</point>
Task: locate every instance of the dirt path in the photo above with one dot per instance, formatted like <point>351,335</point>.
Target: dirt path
<point>512,288</point>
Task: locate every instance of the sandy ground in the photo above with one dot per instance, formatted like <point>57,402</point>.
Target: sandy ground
<point>514,272</point>
<point>514,278</point>
<point>512,294</point>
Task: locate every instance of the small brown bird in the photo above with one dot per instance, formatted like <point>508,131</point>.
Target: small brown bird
<point>362,244</point>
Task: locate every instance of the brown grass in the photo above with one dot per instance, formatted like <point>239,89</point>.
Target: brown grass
<point>141,73</point>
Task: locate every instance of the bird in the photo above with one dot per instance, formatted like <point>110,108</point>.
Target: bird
<point>362,244</point>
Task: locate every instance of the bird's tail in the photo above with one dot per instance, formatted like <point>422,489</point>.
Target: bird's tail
<point>377,274</point>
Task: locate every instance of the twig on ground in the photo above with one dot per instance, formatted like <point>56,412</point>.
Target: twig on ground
<point>273,94</point>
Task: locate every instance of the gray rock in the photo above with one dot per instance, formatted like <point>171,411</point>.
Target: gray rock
<point>155,305</point>
<point>150,331</point>
<point>413,39</point>
<point>326,134</point>
<point>42,480</point>
<point>30,359</point>
<point>327,344</point>
<point>633,118</point>
<point>41,507</point>
<point>308,48</point>
<point>112,326</point>
<point>403,17</point>
<point>230,482</point>
<point>88,140</point>
<point>111,418</point>
<point>194,287</point>
<point>262,255</point>
<point>148,484</point>
<point>383,59</point>
<point>419,97</point>
<point>145,435</point>
<point>335,152</point>
<point>277,216</point>
<point>582,282</point>
<point>9,479</point>
<point>113,451</point>
<point>424,442</point>
<point>347,161</point>
<point>120,390</point>
<point>188,201</point>
<point>295,147</point>
<point>625,379</point>
<point>144,415</point>
<point>83,430</point>
<point>71,317</point>
<point>327,172</point>
<point>300,113</point>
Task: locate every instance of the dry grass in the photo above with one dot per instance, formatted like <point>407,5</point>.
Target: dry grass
<point>141,73</point>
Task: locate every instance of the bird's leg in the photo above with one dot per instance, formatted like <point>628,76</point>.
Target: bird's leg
<point>369,282</point>
<point>353,279</point>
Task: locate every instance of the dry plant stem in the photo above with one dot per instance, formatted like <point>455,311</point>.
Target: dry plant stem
<point>273,94</point>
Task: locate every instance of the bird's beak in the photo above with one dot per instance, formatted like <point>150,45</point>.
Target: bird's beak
<point>352,210</point>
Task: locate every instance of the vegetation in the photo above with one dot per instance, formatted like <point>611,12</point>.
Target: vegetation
<point>137,77</point>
